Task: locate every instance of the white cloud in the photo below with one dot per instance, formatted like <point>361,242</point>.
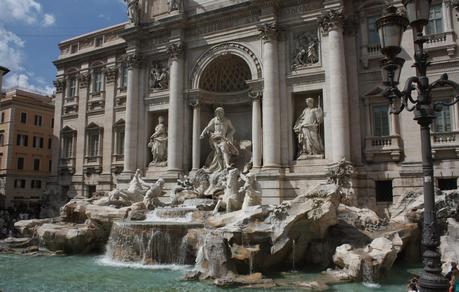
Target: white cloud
<point>11,55</point>
<point>21,80</point>
<point>48,20</point>
<point>29,11</point>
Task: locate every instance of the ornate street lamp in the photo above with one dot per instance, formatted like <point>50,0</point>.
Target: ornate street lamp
<point>391,27</point>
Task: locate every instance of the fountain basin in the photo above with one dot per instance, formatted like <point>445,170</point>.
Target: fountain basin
<point>153,242</point>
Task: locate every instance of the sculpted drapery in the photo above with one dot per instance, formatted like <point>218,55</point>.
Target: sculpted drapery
<point>307,129</point>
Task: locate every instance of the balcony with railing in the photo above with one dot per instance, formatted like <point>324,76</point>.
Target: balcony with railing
<point>117,163</point>
<point>445,145</point>
<point>383,149</point>
<point>67,165</point>
<point>92,164</point>
<point>441,41</point>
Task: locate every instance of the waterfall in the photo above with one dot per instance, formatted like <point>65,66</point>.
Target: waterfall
<point>250,262</point>
<point>368,273</point>
<point>150,243</point>
<point>293,254</point>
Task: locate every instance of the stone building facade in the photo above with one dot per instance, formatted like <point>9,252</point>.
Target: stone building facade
<point>260,61</point>
<point>26,140</point>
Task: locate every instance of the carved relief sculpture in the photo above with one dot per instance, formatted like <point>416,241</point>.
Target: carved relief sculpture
<point>307,127</point>
<point>133,11</point>
<point>174,5</point>
<point>158,144</point>
<point>221,133</point>
<point>307,50</point>
<point>159,78</point>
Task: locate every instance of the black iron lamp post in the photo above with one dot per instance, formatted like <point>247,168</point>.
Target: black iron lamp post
<point>391,27</point>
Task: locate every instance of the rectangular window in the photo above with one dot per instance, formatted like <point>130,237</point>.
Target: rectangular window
<point>19,183</point>
<point>50,141</point>
<point>35,184</point>
<point>50,165</point>
<point>22,140</point>
<point>99,41</point>
<point>38,120</point>
<point>443,121</point>
<point>72,87</point>
<point>381,121</point>
<point>97,82</point>
<point>36,164</point>
<point>52,123</point>
<point>74,49</point>
<point>68,146</point>
<point>93,144</point>
<point>447,184</point>
<point>38,142</point>
<point>435,24</point>
<point>20,163</point>
<point>373,35</point>
<point>384,191</point>
<point>1,139</point>
<point>124,76</point>
<point>2,119</point>
<point>23,118</point>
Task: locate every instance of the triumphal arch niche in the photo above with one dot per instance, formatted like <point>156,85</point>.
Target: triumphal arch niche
<point>221,80</point>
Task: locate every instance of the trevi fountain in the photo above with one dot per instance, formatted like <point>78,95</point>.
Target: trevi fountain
<point>212,227</point>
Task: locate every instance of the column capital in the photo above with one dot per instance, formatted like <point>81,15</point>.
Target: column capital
<point>256,95</point>
<point>268,30</point>
<point>111,74</point>
<point>83,79</point>
<point>331,20</point>
<point>134,60</point>
<point>194,103</point>
<point>60,85</point>
<point>175,50</point>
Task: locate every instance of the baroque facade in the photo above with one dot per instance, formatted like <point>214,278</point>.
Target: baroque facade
<point>299,80</point>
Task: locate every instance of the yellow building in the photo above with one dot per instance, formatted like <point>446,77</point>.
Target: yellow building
<point>26,139</point>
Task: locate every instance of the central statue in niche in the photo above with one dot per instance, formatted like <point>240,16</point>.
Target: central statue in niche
<point>307,127</point>
<point>221,137</point>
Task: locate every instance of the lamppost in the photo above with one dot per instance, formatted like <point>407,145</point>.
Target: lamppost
<point>391,27</point>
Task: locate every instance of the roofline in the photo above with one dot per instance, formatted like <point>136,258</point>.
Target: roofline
<point>4,70</point>
<point>93,33</point>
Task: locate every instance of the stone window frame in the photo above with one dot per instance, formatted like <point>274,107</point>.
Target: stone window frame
<point>94,130</point>
<point>435,5</point>
<point>379,104</point>
<point>447,96</point>
<point>118,128</point>
<point>69,134</point>
<point>97,67</point>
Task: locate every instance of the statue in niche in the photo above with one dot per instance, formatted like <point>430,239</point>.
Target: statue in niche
<point>307,127</point>
<point>307,51</point>
<point>175,5</point>
<point>221,133</point>
<point>133,11</point>
<point>159,78</point>
<point>158,144</point>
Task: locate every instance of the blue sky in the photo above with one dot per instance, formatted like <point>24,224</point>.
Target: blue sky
<point>31,29</point>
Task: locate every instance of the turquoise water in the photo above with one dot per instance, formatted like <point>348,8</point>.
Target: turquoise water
<point>21,273</point>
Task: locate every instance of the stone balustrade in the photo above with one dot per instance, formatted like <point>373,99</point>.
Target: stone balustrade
<point>441,41</point>
<point>384,148</point>
<point>67,165</point>
<point>446,143</point>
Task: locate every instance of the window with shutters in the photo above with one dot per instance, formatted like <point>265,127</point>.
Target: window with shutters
<point>435,24</point>
<point>381,120</point>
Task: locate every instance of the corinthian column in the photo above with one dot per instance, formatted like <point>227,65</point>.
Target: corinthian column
<point>257,134</point>
<point>271,104</point>
<point>332,26</point>
<point>176,118</point>
<point>196,134</point>
<point>132,109</point>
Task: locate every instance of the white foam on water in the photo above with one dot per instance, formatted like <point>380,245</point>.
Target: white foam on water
<point>105,261</point>
<point>154,218</point>
<point>371,285</point>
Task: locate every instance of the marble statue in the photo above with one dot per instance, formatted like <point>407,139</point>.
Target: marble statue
<point>159,78</point>
<point>175,5</point>
<point>252,197</point>
<point>231,200</point>
<point>307,127</point>
<point>136,191</point>
<point>221,133</point>
<point>158,144</point>
<point>151,199</point>
<point>133,11</point>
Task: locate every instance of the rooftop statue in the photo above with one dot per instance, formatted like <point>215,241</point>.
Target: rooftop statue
<point>133,11</point>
